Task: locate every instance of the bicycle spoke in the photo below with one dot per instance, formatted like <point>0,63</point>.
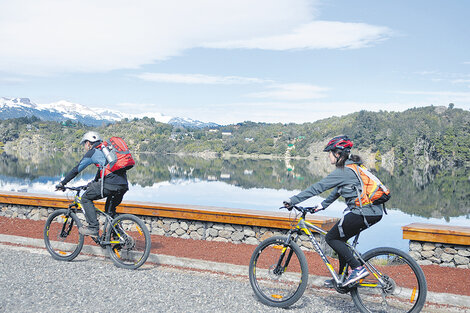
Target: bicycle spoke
<point>63,239</point>
<point>129,242</point>
<point>61,236</point>
<point>277,273</point>
<point>400,289</point>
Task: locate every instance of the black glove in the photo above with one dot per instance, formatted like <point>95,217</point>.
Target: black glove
<point>60,186</point>
<point>287,204</point>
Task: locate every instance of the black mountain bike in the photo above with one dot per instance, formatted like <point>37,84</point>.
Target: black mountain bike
<point>279,273</point>
<point>126,238</point>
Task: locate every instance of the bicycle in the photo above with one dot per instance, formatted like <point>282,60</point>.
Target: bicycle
<point>278,273</point>
<point>126,238</point>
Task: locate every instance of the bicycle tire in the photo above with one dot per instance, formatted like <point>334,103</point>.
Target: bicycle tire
<point>405,289</point>
<point>134,251</point>
<point>61,236</point>
<point>274,286</point>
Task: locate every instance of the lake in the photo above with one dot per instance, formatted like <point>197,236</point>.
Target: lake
<point>427,194</point>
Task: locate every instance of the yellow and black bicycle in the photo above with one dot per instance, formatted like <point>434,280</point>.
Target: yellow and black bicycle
<point>125,237</point>
<point>279,273</point>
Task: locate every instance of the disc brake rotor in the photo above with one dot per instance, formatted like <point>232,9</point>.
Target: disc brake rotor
<point>390,285</point>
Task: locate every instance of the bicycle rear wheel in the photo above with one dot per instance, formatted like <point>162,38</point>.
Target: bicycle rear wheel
<point>278,272</point>
<point>404,288</point>
<point>61,235</point>
<point>130,241</point>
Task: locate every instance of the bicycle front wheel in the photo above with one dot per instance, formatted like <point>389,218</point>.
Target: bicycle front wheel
<point>278,272</point>
<point>61,235</point>
<point>403,287</point>
<point>129,241</point>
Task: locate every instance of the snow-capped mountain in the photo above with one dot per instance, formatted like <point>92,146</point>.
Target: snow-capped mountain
<point>56,111</point>
<point>188,122</point>
<point>21,107</point>
<point>114,115</point>
<point>64,110</point>
<point>111,115</point>
<point>70,110</point>
<point>23,103</point>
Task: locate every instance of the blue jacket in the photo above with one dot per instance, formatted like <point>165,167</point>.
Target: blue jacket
<point>96,156</point>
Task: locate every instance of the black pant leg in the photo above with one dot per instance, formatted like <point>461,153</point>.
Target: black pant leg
<point>93,192</point>
<point>352,225</point>
<point>112,193</point>
<point>114,199</point>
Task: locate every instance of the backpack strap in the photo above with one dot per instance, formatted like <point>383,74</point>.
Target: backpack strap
<point>355,187</point>
<point>373,177</point>
<point>340,224</point>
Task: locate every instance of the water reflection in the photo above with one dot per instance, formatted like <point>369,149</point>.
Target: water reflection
<point>429,191</point>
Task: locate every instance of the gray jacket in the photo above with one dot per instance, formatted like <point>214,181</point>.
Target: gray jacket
<point>344,181</point>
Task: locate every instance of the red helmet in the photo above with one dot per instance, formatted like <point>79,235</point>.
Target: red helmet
<point>339,142</point>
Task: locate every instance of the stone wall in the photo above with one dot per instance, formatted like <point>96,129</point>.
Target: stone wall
<point>427,253</point>
<point>180,228</point>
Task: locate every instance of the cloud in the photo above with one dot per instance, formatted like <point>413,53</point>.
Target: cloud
<point>296,112</point>
<point>291,92</point>
<point>276,91</point>
<point>198,79</point>
<point>442,77</point>
<point>11,80</point>
<point>461,81</point>
<point>425,73</point>
<point>277,111</point>
<point>313,35</point>
<point>270,111</point>
<point>440,97</point>
<point>51,36</point>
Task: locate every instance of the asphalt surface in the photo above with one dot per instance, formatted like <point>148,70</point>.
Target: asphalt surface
<point>31,281</point>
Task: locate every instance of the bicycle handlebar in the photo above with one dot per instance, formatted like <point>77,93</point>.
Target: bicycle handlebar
<point>305,210</point>
<point>74,188</point>
<point>77,188</point>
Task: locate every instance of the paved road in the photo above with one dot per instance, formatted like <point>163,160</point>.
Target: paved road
<point>31,281</point>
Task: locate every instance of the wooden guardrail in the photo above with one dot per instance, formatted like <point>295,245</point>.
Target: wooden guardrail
<point>189,212</point>
<point>458,235</point>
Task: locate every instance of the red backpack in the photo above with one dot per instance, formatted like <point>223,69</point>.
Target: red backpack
<point>117,154</point>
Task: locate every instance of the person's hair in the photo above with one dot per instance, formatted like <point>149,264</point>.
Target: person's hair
<point>344,155</point>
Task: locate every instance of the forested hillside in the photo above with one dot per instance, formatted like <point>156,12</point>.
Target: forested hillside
<point>429,134</point>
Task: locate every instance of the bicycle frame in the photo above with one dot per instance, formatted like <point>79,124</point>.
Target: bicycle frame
<point>125,237</point>
<point>308,229</point>
<point>100,240</point>
<point>394,280</point>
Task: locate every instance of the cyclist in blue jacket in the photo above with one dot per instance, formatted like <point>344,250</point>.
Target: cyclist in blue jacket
<point>344,182</point>
<point>113,186</point>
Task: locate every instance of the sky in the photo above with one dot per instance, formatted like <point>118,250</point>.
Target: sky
<point>237,60</point>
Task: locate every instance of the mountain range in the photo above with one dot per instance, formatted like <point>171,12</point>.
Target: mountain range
<point>63,110</point>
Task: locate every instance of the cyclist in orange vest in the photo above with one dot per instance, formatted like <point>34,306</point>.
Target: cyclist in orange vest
<point>345,183</point>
